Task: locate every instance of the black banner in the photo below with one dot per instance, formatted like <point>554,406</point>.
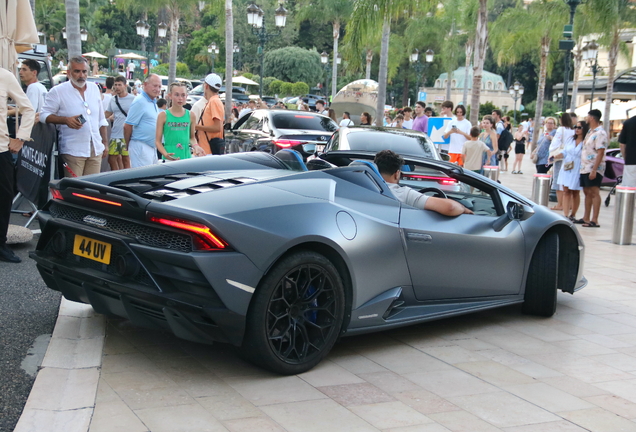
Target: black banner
<point>33,169</point>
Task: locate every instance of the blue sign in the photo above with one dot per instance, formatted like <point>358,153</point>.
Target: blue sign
<point>421,96</point>
<point>436,128</point>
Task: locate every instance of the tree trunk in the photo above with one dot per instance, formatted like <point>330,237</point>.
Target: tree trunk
<point>73,41</point>
<point>174,43</point>
<point>481,38</point>
<point>449,84</point>
<point>334,67</point>
<point>405,91</point>
<point>229,54</point>
<point>369,60</point>
<point>578,59</point>
<point>543,71</point>
<point>383,72</point>
<point>611,75</point>
<point>469,54</point>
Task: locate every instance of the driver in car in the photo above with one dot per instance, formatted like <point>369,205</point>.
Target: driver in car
<point>390,164</point>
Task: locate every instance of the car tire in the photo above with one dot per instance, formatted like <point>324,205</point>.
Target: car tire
<point>540,297</point>
<point>296,314</point>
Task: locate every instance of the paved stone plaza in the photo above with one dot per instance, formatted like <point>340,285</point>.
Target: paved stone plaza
<point>498,370</point>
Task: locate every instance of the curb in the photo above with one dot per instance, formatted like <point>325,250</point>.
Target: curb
<point>63,395</point>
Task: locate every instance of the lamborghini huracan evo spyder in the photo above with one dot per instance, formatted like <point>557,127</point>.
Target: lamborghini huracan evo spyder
<point>255,250</point>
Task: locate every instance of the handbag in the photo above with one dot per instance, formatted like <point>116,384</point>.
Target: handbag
<point>534,156</point>
<point>217,145</point>
<point>568,166</point>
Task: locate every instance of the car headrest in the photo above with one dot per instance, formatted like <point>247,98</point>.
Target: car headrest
<point>367,163</point>
<point>292,158</point>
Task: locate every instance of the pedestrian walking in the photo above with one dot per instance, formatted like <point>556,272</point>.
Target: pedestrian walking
<point>569,175</point>
<point>458,130</point>
<point>520,137</point>
<point>447,110</point>
<point>141,124</point>
<point>489,137</point>
<point>408,117</point>
<point>35,91</point>
<point>627,144</point>
<point>75,106</point>
<point>562,135</point>
<point>346,119</point>
<point>474,151</point>
<point>9,86</point>
<point>543,146</point>
<point>174,137</point>
<point>210,125</point>
<point>593,167</point>
<point>117,112</point>
<point>130,69</point>
<point>365,119</point>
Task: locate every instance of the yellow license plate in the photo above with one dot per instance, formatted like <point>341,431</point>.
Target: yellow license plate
<point>92,249</point>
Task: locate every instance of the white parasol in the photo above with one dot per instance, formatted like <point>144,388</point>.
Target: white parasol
<point>94,54</point>
<point>130,56</point>
<point>618,111</point>
<point>243,80</point>
<point>17,31</point>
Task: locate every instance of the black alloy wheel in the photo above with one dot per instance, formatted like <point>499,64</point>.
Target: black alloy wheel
<point>296,315</point>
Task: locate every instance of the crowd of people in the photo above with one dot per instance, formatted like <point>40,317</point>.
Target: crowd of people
<point>132,126</point>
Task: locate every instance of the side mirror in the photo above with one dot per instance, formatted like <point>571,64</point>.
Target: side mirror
<point>514,211</point>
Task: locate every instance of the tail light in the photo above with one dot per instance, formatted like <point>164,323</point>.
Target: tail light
<point>96,199</point>
<point>446,181</point>
<point>56,194</point>
<point>204,238</point>
<point>284,143</point>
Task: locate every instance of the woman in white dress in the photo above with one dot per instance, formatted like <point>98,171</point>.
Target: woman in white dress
<point>563,134</point>
<point>569,175</point>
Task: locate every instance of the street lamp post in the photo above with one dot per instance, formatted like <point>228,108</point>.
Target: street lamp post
<point>567,45</point>
<point>256,18</point>
<point>419,66</point>
<point>213,50</point>
<point>143,30</point>
<point>590,55</point>
<point>516,92</point>
<point>324,59</point>
<point>237,50</point>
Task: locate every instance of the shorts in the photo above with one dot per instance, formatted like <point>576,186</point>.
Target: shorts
<point>456,158</point>
<point>504,154</point>
<point>586,182</point>
<point>520,149</point>
<point>116,147</point>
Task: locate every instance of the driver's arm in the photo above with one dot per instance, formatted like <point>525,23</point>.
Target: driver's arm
<point>446,207</point>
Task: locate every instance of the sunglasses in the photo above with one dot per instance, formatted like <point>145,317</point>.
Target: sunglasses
<point>88,110</point>
<point>578,127</point>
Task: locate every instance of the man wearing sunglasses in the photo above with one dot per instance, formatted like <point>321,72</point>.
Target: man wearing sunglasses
<point>76,107</point>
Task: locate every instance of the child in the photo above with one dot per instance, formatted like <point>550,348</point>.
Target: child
<point>162,104</point>
<point>473,151</point>
<point>175,127</point>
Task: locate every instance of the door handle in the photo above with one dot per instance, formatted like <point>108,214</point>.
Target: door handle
<point>419,237</point>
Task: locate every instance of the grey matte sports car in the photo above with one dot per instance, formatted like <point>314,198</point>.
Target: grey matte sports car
<point>254,250</point>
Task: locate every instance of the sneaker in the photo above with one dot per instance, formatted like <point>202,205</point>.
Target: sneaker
<point>7,255</point>
<point>513,172</point>
<point>519,172</point>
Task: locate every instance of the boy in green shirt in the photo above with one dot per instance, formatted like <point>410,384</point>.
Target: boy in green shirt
<point>175,127</point>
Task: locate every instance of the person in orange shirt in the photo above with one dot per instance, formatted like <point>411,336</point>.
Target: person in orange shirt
<point>210,125</point>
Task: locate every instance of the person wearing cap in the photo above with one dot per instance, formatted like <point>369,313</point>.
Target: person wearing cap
<point>210,124</point>
<point>141,124</point>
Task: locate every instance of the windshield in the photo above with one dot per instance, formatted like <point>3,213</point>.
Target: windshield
<point>403,144</point>
<point>303,121</point>
<point>198,90</point>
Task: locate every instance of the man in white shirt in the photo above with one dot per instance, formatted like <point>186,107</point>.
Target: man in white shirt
<point>108,94</point>
<point>390,165</point>
<point>320,108</point>
<point>447,110</point>
<point>131,69</point>
<point>459,131</point>
<point>76,107</point>
<point>346,119</point>
<point>408,118</point>
<point>251,106</point>
<point>117,111</point>
<point>10,87</point>
<point>35,91</point>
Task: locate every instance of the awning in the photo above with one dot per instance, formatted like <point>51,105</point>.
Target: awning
<point>130,56</point>
<point>94,54</point>
<point>243,80</point>
<point>618,111</point>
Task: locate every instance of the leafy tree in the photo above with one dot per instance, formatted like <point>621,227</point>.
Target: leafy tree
<point>294,64</point>
<point>266,83</point>
<point>73,40</point>
<point>286,89</point>
<point>275,87</point>
<point>486,108</point>
<point>118,24</point>
<point>300,88</point>
<point>248,75</point>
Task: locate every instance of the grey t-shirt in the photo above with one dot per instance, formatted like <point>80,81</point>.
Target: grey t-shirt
<point>408,195</point>
<point>120,118</point>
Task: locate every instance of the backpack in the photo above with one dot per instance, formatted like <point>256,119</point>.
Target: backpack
<point>505,139</point>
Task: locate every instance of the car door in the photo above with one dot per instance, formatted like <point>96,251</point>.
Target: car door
<point>463,256</point>
<point>247,132</point>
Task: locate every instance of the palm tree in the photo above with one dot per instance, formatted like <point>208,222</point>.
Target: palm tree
<point>481,37</point>
<point>518,32</point>
<point>73,41</point>
<point>609,18</point>
<point>336,12</point>
<point>367,17</point>
<point>229,56</point>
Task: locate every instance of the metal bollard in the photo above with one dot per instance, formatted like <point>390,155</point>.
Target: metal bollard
<point>492,172</point>
<point>624,215</point>
<point>541,189</point>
